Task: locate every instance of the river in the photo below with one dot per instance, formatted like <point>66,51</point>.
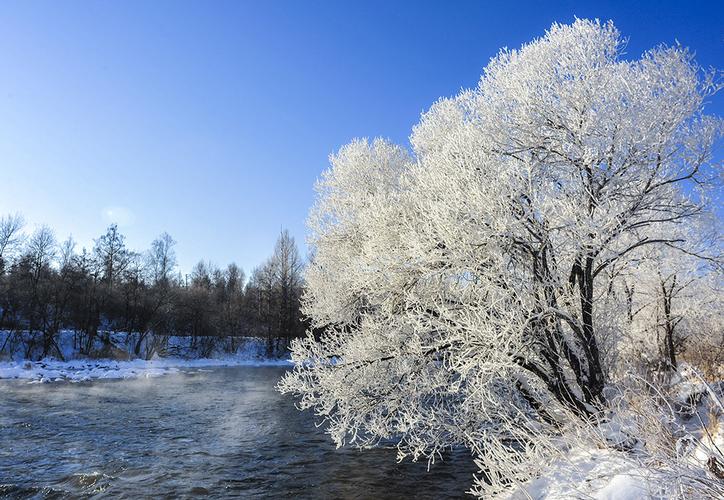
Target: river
<point>219,433</point>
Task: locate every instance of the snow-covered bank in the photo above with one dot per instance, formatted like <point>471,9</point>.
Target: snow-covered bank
<point>78,370</point>
<point>639,453</point>
<point>169,354</point>
<point>595,474</point>
<point>604,474</point>
<point>611,475</point>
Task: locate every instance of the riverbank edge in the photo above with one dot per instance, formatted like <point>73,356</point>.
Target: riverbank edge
<point>80,370</point>
<point>114,358</point>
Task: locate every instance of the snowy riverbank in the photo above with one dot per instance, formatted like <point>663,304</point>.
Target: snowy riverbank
<point>78,370</point>
<point>643,455</point>
<point>169,355</point>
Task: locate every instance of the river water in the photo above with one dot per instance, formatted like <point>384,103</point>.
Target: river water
<point>220,433</point>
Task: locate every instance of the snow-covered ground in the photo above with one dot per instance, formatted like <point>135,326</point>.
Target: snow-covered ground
<point>77,370</point>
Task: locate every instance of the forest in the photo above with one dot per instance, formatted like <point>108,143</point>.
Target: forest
<point>48,286</point>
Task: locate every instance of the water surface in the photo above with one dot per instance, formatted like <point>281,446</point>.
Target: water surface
<point>220,433</point>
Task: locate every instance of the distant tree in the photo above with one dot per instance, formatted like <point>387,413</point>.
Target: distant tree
<point>233,301</point>
<point>111,258</point>
<point>111,255</point>
<point>199,314</point>
<point>36,263</point>
<point>10,237</point>
<point>155,314</point>
<point>201,275</point>
<point>287,267</point>
<point>66,252</point>
<point>162,258</point>
<point>136,312</point>
<point>261,300</point>
<point>47,287</point>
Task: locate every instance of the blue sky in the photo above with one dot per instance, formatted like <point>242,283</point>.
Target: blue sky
<point>211,120</point>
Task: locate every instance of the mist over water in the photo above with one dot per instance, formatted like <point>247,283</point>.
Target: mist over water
<point>222,432</point>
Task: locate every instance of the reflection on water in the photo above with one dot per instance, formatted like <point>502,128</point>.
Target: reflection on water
<point>219,433</point>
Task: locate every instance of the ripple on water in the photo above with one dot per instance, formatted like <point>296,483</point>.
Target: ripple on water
<point>92,482</point>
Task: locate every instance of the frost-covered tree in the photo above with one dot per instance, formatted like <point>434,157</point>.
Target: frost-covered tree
<point>670,294</point>
<point>666,293</point>
<point>461,288</point>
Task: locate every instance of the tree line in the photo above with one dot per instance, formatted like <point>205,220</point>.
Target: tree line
<point>48,286</point>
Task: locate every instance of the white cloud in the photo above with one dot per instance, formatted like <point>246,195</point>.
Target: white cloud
<point>118,215</point>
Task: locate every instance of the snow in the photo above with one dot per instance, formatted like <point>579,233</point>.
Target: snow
<point>594,473</point>
<point>78,370</point>
<point>623,487</point>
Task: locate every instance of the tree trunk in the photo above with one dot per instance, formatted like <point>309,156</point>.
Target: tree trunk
<point>669,326</point>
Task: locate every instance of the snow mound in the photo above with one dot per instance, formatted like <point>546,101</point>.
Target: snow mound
<point>623,487</point>
<point>600,474</point>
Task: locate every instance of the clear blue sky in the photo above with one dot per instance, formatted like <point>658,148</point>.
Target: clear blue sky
<point>212,120</point>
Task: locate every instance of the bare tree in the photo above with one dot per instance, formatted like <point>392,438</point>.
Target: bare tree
<point>162,258</point>
<point>10,237</point>
<point>287,265</point>
<point>112,289</point>
<point>37,258</point>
